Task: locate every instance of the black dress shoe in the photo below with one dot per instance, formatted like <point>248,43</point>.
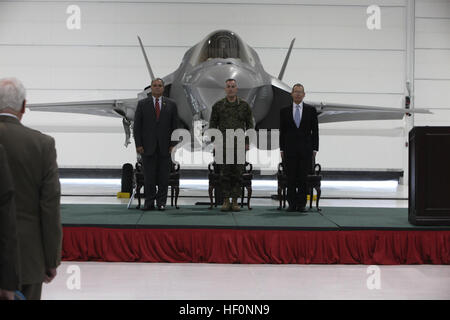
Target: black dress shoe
<point>290,209</point>
<point>161,208</point>
<point>301,209</point>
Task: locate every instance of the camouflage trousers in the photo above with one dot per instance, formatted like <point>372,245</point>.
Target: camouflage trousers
<point>230,178</point>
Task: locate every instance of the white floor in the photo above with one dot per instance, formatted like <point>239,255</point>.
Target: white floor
<point>95,280</point>
<point>182,281</point>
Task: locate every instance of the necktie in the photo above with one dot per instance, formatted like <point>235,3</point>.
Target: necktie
<point>297,115</point>
<point>157,109</point>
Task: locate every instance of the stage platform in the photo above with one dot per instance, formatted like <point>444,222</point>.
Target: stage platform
<point>336,235</point>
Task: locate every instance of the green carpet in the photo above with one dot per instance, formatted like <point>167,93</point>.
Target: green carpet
<point>98,214</point>
<point>368,217</point>
<point>330,218</point>
<point>190,216</point>
<point>269,217</point>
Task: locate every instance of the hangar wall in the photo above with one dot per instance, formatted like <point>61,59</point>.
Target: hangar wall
<point>336,57</point>
<point>432,62</point>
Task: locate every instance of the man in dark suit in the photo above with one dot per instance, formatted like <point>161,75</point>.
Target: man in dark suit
<point>32,160</point>
<point>9,271</point>
<point>155,119</point>
<point>299,143</point>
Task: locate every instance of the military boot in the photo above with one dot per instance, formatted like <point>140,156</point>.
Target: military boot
<point>226,205</point>
<point>235,206</point>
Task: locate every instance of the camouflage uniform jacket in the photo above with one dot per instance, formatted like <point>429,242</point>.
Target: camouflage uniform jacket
<point>231,115</point>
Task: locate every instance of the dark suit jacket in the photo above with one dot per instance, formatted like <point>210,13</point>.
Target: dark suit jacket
<point>299,142</point>
<point>32,160</point>
<point>9,255</point>
<point>149,132</point>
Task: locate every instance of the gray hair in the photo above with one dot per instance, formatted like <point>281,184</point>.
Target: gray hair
<point>12,94</point>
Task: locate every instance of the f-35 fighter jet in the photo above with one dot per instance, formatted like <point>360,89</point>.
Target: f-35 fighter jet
<point>199,82</point>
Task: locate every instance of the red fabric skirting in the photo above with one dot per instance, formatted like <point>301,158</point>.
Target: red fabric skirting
<point>256,246</point>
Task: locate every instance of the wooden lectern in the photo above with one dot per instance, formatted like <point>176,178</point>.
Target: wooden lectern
<point>429,176</point>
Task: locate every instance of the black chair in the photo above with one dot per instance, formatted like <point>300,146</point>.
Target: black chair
<point>246,183</point>
<point>282,186</point>
<point>313,181</point>
<point>138,183</point>
<point>174,184</point>
<point>215,192</point>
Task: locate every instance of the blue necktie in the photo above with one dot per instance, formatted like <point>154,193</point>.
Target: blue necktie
<point>297,115</point>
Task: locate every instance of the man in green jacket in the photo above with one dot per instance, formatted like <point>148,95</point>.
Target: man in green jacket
<point>233,113</point>
<point>32,160</point>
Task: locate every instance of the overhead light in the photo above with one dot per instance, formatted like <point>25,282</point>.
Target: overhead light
<point>91,181</point>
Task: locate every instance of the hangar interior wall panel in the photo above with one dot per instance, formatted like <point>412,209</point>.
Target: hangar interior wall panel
<point>99,147</point>
<point>432,62</point>
<point>335,56</point>
<point>433,8</point>
<point>362,151</point>
<point>124,68</point>
<point>433,33</point>
<point>87,67</point>
<point>432,93</point>
<point>440,117</point>
<point>106,23</point>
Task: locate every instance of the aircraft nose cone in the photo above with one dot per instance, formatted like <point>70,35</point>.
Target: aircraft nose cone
<point>216,75</point>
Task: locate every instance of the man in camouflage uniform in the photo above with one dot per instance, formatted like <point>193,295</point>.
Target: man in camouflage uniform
<point>231,112</point>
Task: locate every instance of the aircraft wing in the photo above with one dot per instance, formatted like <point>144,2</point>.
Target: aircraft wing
<point>334,112</point>
<point>109,108</point>
<point>119,108</point>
